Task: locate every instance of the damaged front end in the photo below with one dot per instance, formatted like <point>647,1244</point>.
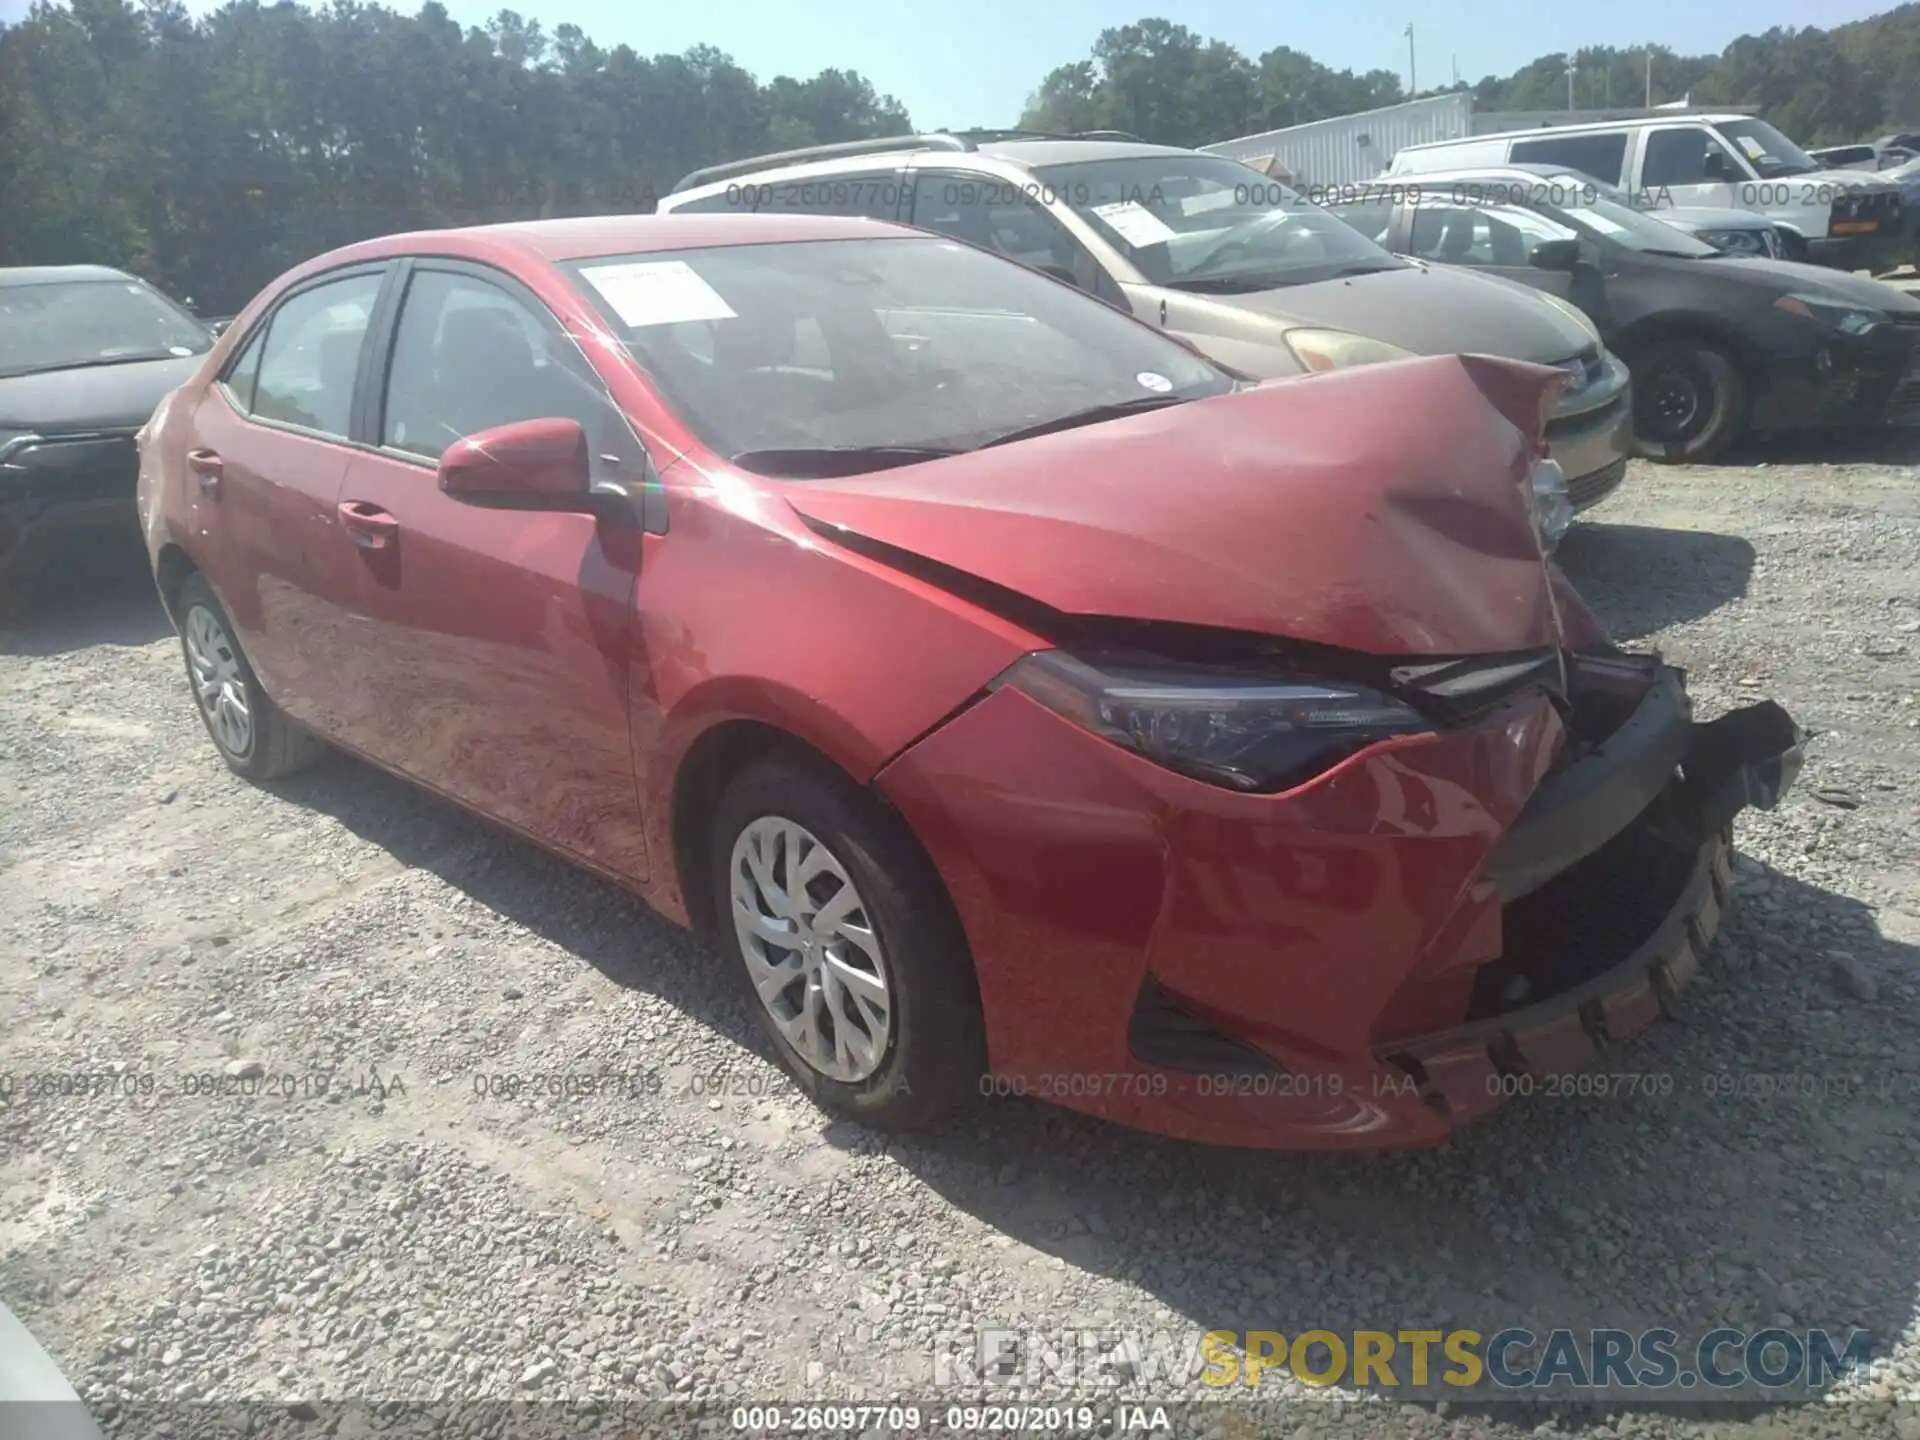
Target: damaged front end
<point>1611,882</point>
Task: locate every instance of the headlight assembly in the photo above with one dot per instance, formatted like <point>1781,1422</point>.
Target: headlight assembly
<point>1552,505</point>
<point>1252,733</point>
<point>1321,350</point>
<point>1847,318</point>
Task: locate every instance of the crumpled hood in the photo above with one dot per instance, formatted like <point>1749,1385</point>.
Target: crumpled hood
<point>1431,310</point>
<point>1380,509</point>
<point>95,397</point>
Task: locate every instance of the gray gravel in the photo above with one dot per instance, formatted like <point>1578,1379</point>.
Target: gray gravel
<point>214,957</point>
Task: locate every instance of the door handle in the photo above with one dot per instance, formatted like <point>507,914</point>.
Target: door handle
<point>208,469</point>
<point>370,527</point>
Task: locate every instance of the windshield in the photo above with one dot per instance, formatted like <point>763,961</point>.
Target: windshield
<point>1766,149</point>
<point>1200,222</point>
<point>72,323</point>
<point>777,351</point>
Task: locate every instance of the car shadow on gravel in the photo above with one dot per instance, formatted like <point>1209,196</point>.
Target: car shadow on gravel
<point>80,598</point>
<point>1642,578</point>
<point>1764,1175</point>
<point>592,918</point>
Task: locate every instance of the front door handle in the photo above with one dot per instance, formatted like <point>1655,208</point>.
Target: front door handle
<point>371,527</point>
<point>208,469</point>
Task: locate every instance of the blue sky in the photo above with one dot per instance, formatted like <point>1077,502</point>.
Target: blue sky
<point>974,63</point>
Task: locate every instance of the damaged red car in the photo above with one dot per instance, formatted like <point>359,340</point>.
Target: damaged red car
<point>1018,701</point>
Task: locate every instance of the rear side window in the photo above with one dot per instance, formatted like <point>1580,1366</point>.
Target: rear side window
<point>873,194</point>
<point>312,356</point>
<point>1602,156</point>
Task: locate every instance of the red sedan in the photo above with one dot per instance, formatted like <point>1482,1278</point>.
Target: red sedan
<point>1021,702</point>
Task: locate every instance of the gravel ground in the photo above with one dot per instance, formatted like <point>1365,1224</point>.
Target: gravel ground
<point>695,1230</point>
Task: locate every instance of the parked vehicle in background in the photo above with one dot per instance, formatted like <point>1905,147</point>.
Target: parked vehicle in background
<point>1846,219</point>
<point>1237,264</point>
<point>1847,157</point>
<point>85,354</point>
<point>1718,344</point>
<point>1006,690</point>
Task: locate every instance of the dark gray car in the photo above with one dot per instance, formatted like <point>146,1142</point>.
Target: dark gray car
<point>85,354</point>
<point>1207,248</point>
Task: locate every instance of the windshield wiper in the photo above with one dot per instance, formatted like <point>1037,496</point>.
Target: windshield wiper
<point>93,364</point>
<point>1119,409</point>
<point>1225,284</point>
<point>821,462</point>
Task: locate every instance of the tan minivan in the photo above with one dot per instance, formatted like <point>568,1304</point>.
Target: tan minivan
<point>1209,249</point>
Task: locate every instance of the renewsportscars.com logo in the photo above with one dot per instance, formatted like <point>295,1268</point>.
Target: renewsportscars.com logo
<point>1648,1362</point>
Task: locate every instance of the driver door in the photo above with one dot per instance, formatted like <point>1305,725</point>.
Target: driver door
<point>497,648</point>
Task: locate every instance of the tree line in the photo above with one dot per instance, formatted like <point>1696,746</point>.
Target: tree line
<point>211,153</point>
<point>1165,82</point>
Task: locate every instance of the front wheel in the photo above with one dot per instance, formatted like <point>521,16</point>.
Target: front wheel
<point>1689,401</point>
<point>248,730</point>
<point>858,967</point>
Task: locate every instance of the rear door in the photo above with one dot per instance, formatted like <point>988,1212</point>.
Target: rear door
<point>268,446</point>
<point>497,641</point>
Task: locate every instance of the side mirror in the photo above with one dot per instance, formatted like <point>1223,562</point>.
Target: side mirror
<point>529,465</point>
<point>1555,255</point>
<point>1716,166</point>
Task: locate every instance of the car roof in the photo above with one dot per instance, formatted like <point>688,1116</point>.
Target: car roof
<point>1026,149</point>
<point>57,274</point>
<point>1698,117</point>
<point>589,236</point>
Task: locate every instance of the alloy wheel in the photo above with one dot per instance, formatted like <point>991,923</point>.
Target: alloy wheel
<point>810,949</point>
<point>218,684</point>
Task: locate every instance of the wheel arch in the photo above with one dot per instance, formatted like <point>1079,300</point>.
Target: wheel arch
<point>1661,329</point>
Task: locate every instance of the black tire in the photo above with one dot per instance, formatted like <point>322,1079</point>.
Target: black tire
<point>935,1047</point>
<point>1689,401</point>
<point>275,746</point>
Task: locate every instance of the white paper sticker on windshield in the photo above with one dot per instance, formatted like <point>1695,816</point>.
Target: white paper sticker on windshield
<point>1755,150</point>
<point>1134,223</point>
<point>1154,382</point>
<point>658,292</point>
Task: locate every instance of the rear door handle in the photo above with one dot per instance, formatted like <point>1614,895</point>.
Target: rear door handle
<point>371,527</point>
<point>208,469</point>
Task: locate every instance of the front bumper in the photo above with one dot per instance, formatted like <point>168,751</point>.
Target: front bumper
<point>1871,379</point>
<point>1591,436</point>
<point>58,485</point>
<point>1879,251</point>
<point>1336,965</point>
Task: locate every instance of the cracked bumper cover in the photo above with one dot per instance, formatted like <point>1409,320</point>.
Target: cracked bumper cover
<point>1660,768</point>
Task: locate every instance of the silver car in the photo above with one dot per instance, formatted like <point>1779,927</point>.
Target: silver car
<point>1238,265</point>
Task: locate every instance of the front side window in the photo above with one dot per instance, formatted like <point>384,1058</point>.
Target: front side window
<point>1205,223</point>
<point>1687,155</point>
<point>836,356</point>
<point>80,324</point>
<point>468,356</point>
<point>311,357</point>
<point>1490,235</point>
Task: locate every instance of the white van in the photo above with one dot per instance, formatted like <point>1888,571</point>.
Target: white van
<point>1849,219</point>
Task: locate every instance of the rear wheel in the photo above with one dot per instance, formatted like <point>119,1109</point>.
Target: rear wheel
<point>859,971</point>
<point>1689,401</point>
<point>248,730</point>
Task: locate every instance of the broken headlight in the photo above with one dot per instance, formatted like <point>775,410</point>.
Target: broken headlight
<point>1241,732</point>
<point>1552,504</point>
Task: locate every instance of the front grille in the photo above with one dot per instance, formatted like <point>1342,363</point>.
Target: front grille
<point>1587,490</point>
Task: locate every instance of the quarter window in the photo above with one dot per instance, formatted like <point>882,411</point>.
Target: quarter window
<point>311,358</point>
<point>245,370</point>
